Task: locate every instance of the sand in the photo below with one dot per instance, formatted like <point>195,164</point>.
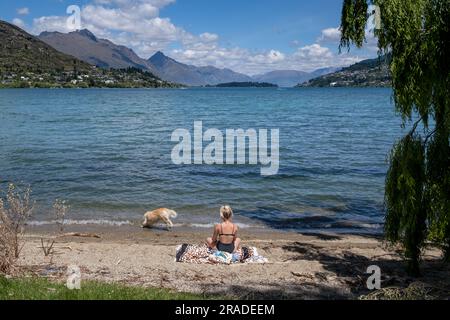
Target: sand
<point>301,266</point>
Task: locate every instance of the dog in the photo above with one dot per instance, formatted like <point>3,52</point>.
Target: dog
<point>161,214</point>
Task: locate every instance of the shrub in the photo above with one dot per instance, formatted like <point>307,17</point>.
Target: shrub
<point>15,209</point>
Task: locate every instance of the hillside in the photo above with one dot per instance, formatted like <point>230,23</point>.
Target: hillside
<point>26,61</point>
<point>366,73</point>
<point>22,52</point>
<point>84,45</point>
<point>172,70</point>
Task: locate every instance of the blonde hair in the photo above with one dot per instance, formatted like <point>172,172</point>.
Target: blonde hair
<point>226,212</point>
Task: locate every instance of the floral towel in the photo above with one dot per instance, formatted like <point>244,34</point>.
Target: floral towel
<point>192,253</point>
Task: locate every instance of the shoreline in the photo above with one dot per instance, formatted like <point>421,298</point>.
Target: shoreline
<point>301,266</point>
<point>188,234</point>
<point>114,228</point>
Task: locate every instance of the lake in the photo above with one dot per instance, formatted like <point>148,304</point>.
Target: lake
<point>108,153</point>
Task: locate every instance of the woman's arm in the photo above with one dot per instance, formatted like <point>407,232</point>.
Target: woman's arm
<point>215,233</point>
<point>235,232</point>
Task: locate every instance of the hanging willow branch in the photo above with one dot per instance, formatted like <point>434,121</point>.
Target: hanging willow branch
<point>353,23</point>
<point>404,198</point>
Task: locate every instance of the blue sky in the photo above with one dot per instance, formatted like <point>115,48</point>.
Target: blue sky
<point>257,24</point>
<point>250,36</point>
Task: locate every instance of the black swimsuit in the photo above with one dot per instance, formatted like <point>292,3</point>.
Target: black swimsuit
<point>226,247</point>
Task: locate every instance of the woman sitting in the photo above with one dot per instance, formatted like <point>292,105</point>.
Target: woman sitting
<point>224,236</point>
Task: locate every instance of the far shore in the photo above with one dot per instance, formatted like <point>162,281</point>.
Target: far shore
<point>301,266</point>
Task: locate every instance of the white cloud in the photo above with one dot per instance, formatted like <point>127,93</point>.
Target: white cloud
<point>138,25</point>
<point>23,11</point>
<point>313,52</point>
<point>270,57</point>
<point>307,58</point>
<point>330,35</point>
<point>19,22</point>
<point>209,37</point>
<point>275,56</point>
<point>50,23</point>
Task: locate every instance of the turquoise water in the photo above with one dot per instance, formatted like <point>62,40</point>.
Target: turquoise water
<point>108,152</point>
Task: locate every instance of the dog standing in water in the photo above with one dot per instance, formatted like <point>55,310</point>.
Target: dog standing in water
<point>162,214</point>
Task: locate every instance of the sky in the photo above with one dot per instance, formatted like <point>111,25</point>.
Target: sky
<point>248,36</point>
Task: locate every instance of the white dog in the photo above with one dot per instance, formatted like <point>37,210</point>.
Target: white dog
<point>161,214</point>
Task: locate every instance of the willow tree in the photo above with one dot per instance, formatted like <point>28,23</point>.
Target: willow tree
<point>414,35</point>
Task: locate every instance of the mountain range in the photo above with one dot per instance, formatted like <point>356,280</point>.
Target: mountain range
<point>84,45</point>
<point>79,51</point>
<point>174,71</point>
<point>290,78</point>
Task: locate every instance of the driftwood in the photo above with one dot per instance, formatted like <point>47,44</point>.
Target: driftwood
<point>78,234</point>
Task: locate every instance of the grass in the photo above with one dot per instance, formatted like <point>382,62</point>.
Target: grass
<point>43,289</point>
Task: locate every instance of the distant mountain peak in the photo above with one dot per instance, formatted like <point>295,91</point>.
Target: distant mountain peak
<point>86,33</point>
<point>47,33</point>
<point>159,58</point>
<point>159,54</point>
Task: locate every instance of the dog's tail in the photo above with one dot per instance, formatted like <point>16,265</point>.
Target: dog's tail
<point>172,214</point>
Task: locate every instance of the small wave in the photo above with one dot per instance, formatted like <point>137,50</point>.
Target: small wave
<point>371,226</point>
<point>124,223</point>
<point>83,222</point>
